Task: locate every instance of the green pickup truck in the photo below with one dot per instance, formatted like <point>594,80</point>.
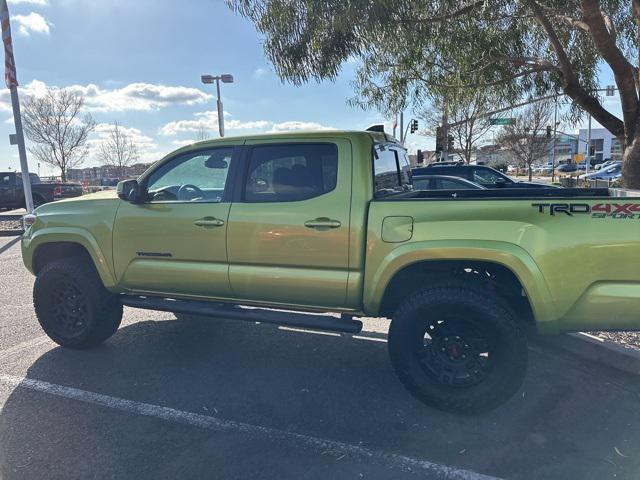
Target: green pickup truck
<point>301,224</point>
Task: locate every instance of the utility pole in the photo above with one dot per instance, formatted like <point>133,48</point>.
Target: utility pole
<point>445,134</point>
<point>402,128</point>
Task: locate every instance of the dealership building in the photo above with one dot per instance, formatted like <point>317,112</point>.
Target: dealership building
<point>605,146</point>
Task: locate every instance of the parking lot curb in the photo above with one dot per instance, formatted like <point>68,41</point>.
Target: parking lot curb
<point>596,349</point>
<point>11,233</point>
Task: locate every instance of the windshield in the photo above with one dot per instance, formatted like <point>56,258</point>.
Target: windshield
<point>391,170</point>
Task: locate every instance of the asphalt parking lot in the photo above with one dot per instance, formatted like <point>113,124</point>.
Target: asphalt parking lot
<point>219,399</point>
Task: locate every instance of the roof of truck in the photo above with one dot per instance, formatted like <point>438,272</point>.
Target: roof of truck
<point>310,134</point>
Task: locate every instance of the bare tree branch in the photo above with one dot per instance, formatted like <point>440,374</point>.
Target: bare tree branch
<point>53,123</point>
<point>118,150</point>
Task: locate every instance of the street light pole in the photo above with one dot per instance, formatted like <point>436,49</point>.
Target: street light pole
<point>589,143</point>
<point>555,129</point>
<point>226,78</point>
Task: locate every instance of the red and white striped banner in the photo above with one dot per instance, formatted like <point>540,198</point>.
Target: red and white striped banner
<point>9,63</point>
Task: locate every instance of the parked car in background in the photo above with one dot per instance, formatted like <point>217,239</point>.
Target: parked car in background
<point>485,176</point>
<point>602,165</point>
<point>567,168</point>
<point>610,172</point>
<point>443,182</point>
<point>12,192</point>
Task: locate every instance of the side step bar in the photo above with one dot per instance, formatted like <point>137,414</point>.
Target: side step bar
<point>344,324</point>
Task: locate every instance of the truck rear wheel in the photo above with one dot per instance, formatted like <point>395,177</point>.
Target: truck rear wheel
<point>458,349</point>
<point>72,306</point>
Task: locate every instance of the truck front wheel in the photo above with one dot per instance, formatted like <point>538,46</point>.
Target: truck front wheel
<point>457,348</point>
<point>72,306</point>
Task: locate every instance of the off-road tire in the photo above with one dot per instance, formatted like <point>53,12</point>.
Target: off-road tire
<point>489,319</point>
<point>72,305</point>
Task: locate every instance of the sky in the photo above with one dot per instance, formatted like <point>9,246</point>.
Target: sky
<point>139,63</point>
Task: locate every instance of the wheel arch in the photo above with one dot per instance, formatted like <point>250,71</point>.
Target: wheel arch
<point>498,264</point>
<point>44,247</point>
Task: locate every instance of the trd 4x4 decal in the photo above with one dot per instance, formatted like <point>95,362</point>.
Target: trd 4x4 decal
<point>599,210</point>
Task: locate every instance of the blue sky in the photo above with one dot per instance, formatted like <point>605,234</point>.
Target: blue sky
<point>139,62</point>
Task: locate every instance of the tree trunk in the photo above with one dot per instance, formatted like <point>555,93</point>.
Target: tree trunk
<point>63,175</point>
<point>631,163</point>
<point>530,173</point>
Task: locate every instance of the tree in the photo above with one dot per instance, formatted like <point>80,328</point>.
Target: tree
<point>526,138</point>
<point>202,134</point>
<point>118,149</point>
<point>412,49</point>
<point>55,125</point>
<point>468,125</point>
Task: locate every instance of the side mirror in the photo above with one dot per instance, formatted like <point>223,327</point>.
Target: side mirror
<point>130,191</point>
<point>501,182</point>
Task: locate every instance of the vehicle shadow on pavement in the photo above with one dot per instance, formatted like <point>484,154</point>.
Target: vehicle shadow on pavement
<point>567,421</point>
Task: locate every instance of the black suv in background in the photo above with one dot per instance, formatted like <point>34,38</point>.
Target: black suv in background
<point>485,176</point>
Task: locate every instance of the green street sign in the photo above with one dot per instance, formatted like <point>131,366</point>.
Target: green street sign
<point>501,121</point>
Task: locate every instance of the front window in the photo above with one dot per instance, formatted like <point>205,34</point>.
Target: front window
<point>193,177</point>
<point>391,170</point>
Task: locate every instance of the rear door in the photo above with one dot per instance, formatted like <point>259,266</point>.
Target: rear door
<point>288,236</point>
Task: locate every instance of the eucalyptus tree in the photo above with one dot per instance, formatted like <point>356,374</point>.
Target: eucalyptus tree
<point>410,50</point>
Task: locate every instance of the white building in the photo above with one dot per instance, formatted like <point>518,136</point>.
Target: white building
<point>606,146</point>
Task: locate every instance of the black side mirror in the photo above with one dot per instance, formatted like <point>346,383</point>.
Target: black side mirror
<point>130,191</point>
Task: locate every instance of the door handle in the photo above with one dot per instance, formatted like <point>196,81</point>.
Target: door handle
<point>322,223</point>
<point>209,222</point>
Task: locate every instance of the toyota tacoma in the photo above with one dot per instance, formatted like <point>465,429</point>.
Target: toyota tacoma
<point>300,224</point>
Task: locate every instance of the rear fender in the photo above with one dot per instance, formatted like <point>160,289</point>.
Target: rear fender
<point>506,254</point>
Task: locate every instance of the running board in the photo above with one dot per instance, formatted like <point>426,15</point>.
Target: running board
<point>344,324</point>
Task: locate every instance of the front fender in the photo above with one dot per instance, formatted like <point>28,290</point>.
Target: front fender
<point>30,244</point>
<point>509,255</point>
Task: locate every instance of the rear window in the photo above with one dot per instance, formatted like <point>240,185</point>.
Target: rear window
<point>391,171</point>
<point>291,172</point>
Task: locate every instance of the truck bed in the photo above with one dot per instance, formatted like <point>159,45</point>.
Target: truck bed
<point>497,193</point>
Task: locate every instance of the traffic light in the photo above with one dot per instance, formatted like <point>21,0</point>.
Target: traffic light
<point>439,139</point>
<point>611,90</point>
<point>548,131</point>
<point>450,143</point>
<point>592,150</point>
<point>414,126</point>
<point>419,157</point>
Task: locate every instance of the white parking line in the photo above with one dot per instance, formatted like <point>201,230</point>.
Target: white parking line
<point>444,472</point>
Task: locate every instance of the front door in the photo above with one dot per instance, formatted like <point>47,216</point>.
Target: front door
<point>175,242</point>
<point>288,238</point>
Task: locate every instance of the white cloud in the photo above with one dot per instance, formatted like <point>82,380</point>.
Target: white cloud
<point>209,120</point>
<point>132,97</point>
<point>296,125</point>
<point>41,3</point>
<point>260,72</point>
<point>32,23</point>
